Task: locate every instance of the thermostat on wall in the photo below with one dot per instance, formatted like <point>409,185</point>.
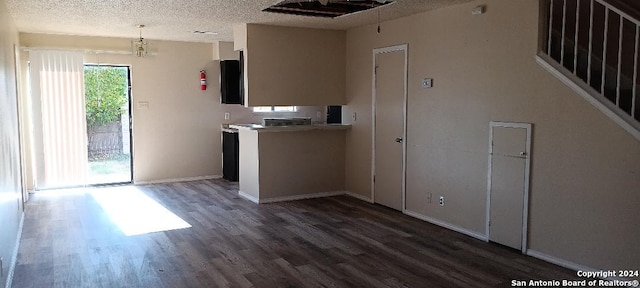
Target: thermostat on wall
<point>478,10</point>
<point>427,82</point>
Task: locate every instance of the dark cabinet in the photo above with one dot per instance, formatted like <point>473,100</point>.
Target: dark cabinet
<point>230,89</point>
<point>334,114</point>
<point>241,62</point>
<point>230,156</point>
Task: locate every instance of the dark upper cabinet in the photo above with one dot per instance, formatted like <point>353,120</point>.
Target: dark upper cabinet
<point>230,88</point>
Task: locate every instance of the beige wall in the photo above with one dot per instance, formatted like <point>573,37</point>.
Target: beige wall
<point>10,174</point>
<point>178,136</point>
<point>301,162</point>
<point>584,176</point>
<point>293,66</point>
<point>224,51</point>
<point>277,164</point>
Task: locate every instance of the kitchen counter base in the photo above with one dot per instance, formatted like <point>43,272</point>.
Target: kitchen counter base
<point>290,198</point>
<point>291,165</point>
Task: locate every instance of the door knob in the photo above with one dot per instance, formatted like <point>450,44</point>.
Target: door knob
<point>399,140</point>
<point>522,154</point>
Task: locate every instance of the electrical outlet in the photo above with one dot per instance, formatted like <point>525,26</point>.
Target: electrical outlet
<point>226,115</point>
<point>441,202</point>
<point>354,117</point>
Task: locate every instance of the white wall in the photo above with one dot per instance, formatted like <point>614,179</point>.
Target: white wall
<point>10,171</point>
<point>584,177</point>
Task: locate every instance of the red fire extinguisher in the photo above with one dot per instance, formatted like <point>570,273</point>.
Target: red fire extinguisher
<point>203,80</point>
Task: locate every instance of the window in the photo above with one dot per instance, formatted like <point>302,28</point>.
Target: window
<point>275,109</point>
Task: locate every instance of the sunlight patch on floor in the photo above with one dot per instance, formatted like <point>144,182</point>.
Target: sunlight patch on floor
<point>61,192</point>
<point>134,212</point>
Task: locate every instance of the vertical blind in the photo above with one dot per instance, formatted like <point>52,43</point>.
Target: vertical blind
<point>59,124</point>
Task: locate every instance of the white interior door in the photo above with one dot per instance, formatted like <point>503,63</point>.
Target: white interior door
<point>389,122</point>
<point>508,183</point>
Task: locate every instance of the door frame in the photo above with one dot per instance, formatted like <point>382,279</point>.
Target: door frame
<point>21,139</point>
<point>527,173</point>
<point>376,52</point>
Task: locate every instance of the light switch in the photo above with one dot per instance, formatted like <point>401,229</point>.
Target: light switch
<point>354,116</point>
<point>427,82</point>
<point>143,105</point>
<point>226,115</point>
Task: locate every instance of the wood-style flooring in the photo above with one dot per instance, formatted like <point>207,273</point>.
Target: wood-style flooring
<point>69,241</point>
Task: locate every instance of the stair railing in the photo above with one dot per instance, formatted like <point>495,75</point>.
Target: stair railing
<point>607,76</point>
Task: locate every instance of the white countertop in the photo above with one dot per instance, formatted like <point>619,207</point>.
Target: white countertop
<point>261,128</point>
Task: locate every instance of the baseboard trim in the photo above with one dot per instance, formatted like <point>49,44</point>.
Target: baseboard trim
<point>289,198</point>
<point>447,225</point>
<point>568,264</point>
<point>249,197</point>
<point>560,262</point>
<point>187,179</point>
<point>359,197</point>
<point>14,257</point>
<point>301,197</point>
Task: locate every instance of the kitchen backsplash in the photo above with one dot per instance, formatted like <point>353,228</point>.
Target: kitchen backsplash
<point>244,115</point>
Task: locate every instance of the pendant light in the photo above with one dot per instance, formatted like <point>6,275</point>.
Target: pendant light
<point>140,46</point>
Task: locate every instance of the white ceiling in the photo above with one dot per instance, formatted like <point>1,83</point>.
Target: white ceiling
<point>177,19</point>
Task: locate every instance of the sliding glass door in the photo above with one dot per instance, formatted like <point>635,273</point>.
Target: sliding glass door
<point>80,122</point>
<point>108,114</point>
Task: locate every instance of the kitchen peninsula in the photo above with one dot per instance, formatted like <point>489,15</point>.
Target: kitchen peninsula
<point>281,163</point>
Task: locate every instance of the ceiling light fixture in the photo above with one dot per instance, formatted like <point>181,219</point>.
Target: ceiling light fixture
<point>139,46</point>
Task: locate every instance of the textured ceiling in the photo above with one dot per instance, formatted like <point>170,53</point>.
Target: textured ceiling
<point>177,19</point>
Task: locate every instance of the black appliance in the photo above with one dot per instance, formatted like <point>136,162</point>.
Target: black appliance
<point>230,82</point>
<point>230,155</point>
<point>334,114</point>
<point>241,62</point>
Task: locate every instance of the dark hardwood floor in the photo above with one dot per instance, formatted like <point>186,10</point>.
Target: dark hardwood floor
<point>70,241</point>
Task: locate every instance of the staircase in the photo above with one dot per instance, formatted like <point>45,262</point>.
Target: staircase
<point>593,46</point>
